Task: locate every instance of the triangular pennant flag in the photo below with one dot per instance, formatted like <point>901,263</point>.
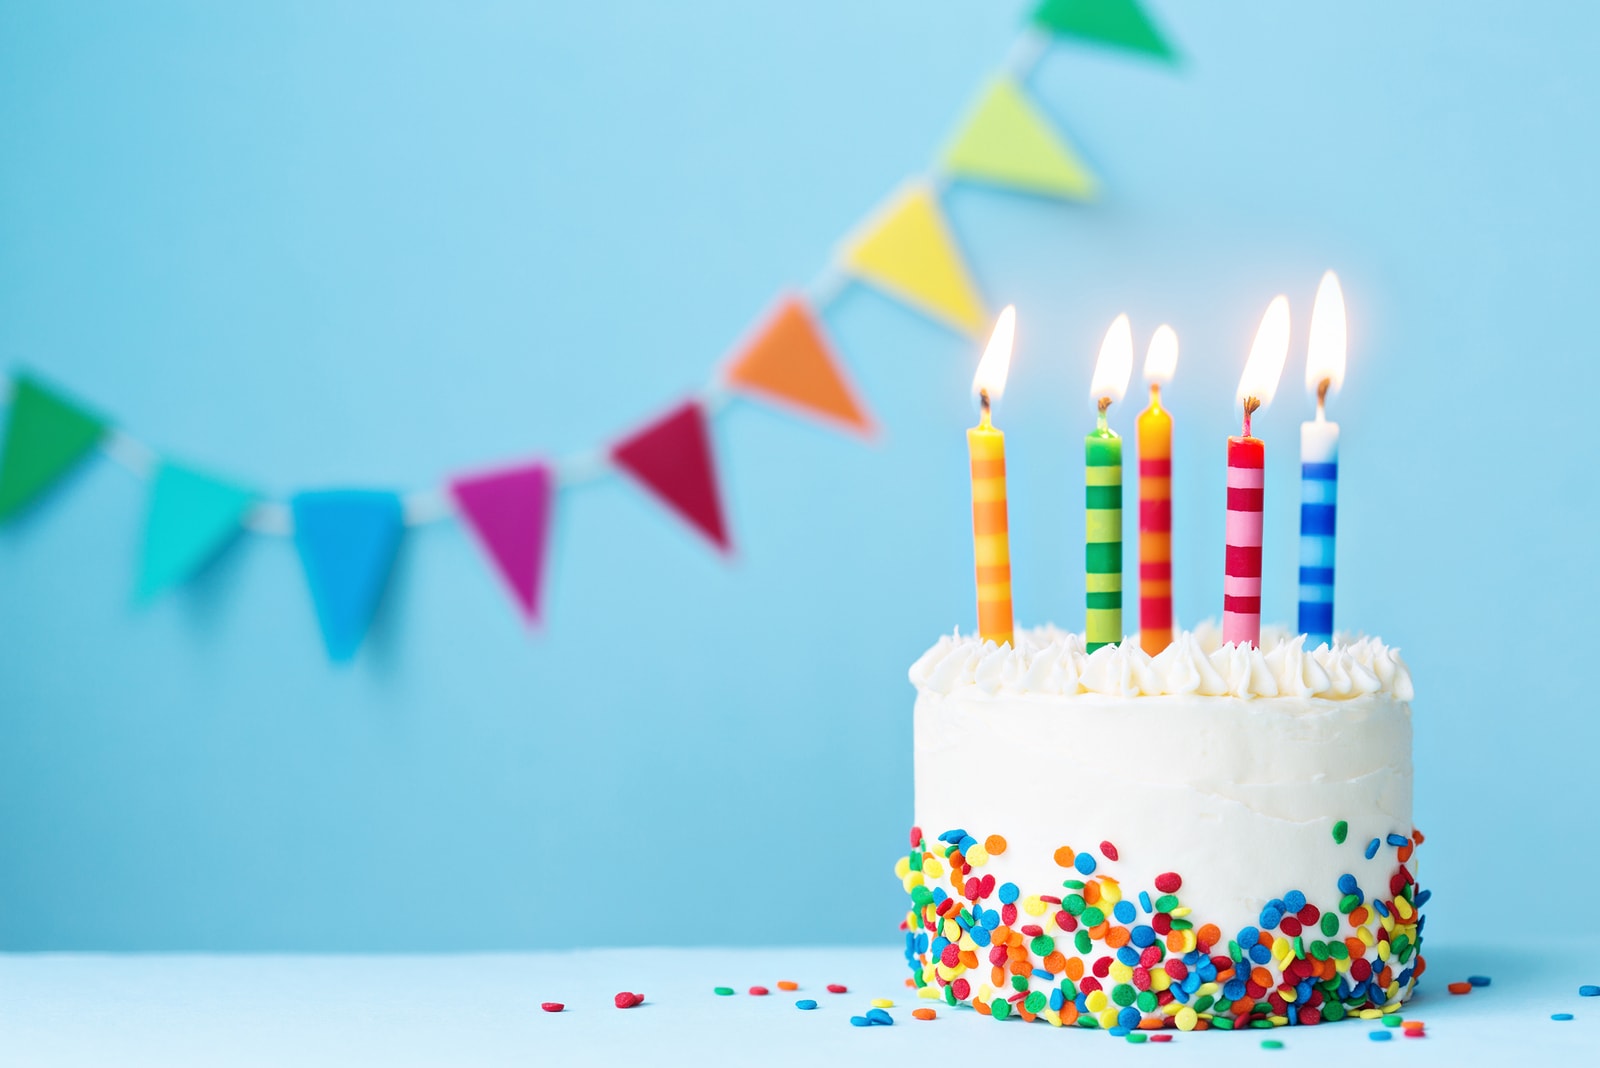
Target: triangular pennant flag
<point>191,518</point>
<point>347,541</point>
<point>509,511</point>
<point>672,459</point>
<point>1008,142</point>
<point>46,436</point>
<point>790,361</point>
<point>907,250</point>
<point>1114,22</point>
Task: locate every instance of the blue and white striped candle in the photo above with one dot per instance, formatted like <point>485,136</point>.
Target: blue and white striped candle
<point>1319,465</point>
<point>1319,497</point>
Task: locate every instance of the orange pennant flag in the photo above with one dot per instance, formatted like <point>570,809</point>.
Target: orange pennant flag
<point>790,361</point>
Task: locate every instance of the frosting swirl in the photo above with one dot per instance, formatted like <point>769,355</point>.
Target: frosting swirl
<point>1046,660</point>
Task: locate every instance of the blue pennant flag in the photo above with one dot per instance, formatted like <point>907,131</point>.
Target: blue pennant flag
<point>192,517</point>
<point>347,540</point>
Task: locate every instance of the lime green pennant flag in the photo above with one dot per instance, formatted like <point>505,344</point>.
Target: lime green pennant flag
<point>46,435</point>
<point>1007,141</point>
<point>192,517</point>
<point>1121,23</point>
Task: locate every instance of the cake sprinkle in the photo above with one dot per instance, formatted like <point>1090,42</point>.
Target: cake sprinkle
<point>1089,958</point>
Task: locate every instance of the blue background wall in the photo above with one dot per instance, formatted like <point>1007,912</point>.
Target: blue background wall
<point>316,244</point>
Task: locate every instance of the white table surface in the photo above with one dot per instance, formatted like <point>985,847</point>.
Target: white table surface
<point>179,1010</point>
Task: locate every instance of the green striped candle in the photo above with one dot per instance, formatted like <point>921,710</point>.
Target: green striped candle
<point>1102,452</point>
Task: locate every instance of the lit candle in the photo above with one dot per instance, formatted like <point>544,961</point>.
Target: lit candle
<point>1155,497</point>
<point>1319,465</point>
<point>991,543</point>
<point>1241,583</point>
<point>1102,451</point>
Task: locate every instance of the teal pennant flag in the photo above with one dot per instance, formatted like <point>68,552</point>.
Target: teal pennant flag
<point>192,517</point>
<point>347,540</point>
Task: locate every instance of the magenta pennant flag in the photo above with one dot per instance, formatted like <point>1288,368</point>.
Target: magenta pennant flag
<point>509,513</point>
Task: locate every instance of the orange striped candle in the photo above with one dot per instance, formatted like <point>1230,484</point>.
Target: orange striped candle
<point>991,539</point>
<point>1155,498</point>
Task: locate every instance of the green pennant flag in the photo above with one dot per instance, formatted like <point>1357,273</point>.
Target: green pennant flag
<point>1007,141</point>
<point>46,435</point>
<point>1121,23</point>
<point>192,517</point>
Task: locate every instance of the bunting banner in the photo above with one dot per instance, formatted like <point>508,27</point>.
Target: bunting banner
<point>509,512</point>
<point>908,252</point>
<point>1007,141</point>
<point>791,362</point>
<point>191,517</point>
<point>47,435</point>
<point>1119,23</point>
<point>347,540</point>
<point>672,459</point>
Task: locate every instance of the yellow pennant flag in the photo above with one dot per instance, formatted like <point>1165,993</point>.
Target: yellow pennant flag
<point>907,251</point>
<point>1007,141</point>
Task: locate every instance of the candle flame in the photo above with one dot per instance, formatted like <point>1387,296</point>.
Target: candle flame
<point>1115,365</point>
<point>1162,357</point>
<point>1325,356</point>
<point>990,380</point>
<point>1265,366</point>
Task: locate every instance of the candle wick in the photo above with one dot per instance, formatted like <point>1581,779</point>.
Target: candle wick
<point>1155,393</point>
<point>1250,406</point>
<point>983,407</point>
<point>1322,399</point>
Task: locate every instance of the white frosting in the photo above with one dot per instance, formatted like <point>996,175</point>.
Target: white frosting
<point>1230,767</point>
<point>1052,662</point>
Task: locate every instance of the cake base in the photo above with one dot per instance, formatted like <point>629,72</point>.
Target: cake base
<point>1091,952</point>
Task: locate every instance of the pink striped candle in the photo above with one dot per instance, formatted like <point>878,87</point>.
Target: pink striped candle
<point>1241,577</point>
<point>1241,582</point>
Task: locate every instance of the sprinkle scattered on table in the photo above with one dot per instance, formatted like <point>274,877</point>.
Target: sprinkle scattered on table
<point>1589,991</point>
<point>626,1000</point>
<point>1459,988</point>
<point>1478,980</point>
<point>1271,1043</point>
<point>837,988</point>
<point>882,1003</point>
<point>723,991</point>
<point>878,1016</point>
<point>1161,1037</point>
<point>1561,1016</point>
<point>805,1003</point>
<point>551,1006</point>
<point>788,984</point>
<point>759,991</point>
<point>923,1014</point>
<point>1379,1036</point>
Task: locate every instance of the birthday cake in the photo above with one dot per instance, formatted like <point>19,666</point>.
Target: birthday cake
<point>1216,837</point>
